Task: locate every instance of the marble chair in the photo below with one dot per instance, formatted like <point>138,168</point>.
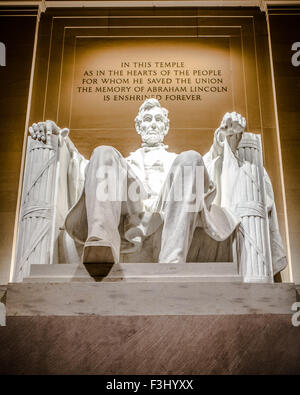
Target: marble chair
<point>42,239</point>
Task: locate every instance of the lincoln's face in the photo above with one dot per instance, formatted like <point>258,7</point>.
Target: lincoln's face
<point>152,126</point>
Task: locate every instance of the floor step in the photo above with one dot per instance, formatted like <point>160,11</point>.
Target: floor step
<point>201,272</point>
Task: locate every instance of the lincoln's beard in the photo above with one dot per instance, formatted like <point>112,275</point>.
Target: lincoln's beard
<point>152,137</point>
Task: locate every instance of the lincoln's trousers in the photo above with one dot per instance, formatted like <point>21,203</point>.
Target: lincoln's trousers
<point>113,189</point>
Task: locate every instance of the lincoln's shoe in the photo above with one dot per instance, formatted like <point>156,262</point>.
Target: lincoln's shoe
<point>97,251</point>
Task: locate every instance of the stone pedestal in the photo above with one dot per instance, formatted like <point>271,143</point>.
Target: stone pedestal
<point>148,298</point>
<point>63,321</point>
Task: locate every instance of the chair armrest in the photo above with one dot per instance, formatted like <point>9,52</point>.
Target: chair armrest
<point>37,212</point>
<point>254,237</point>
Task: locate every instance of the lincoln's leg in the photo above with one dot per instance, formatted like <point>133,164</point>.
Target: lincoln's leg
<point>183,197</point>
<point>105,188</point>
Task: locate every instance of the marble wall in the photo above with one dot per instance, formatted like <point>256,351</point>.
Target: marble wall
<point>17,29</point>
<point>284,28</point>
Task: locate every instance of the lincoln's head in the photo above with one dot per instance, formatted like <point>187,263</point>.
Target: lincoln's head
<point>152,122</point>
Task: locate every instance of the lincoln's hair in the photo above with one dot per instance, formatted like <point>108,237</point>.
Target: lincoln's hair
<point>146,106</point>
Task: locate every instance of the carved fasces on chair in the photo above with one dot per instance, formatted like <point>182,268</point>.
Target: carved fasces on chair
<point>37,206</point>
<point>253,235</point>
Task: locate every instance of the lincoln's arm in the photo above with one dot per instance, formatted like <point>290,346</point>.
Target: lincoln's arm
<point>73,162</point>
<point>43,130</point>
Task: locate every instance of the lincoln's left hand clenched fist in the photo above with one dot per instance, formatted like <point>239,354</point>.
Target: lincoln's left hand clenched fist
<point>231,128</point>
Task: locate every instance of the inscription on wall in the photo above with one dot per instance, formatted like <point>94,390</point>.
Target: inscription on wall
<point>192,77</point>
<point>167,81</point>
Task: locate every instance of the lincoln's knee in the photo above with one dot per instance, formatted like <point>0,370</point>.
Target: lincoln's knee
<point>104,150</point>
<point>105,153</point>
<point>190,158</point>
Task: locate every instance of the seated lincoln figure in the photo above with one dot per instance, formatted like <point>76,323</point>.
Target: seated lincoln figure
<point>123,201</point>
